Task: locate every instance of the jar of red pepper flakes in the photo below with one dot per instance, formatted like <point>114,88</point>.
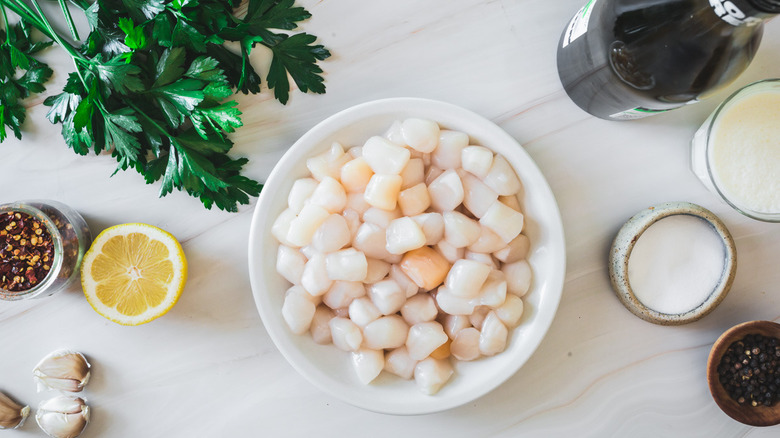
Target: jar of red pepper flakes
<point>42,243</point>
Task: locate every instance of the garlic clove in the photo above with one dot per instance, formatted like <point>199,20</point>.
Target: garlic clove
<point>46,383</point>
<point>58,425</point>
<point>62,370</point>
<point>63,416</point>
<point>12,414</point>
<point>64,364</point>
<point>63,404</point>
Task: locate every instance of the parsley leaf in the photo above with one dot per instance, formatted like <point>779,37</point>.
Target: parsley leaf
<point>63,110</point>
<point>119,129</point>
<point>274,14</point>
<point>239,71</point>
<point>12,113</point>
<point>224,117</point>
<point>16,54</point>
<point>153,84</point>
<point>118,74</point>
<point>135,38</point>
<point>297,56</point>
<point>143,9</point>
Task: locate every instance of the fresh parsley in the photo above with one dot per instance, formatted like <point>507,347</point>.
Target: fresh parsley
<point>153,80</point>
<point>20,75</point>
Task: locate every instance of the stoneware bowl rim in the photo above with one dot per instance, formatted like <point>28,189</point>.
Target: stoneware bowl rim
<point>624,243</point>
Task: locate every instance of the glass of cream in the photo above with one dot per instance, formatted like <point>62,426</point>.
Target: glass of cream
<point>736,152</point>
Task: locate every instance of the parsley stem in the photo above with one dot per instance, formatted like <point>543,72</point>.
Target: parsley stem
<point>152,121</point>
<point>175,145</point>
<point>244,58</point>
<point>42,24</point>
<point>53,33</point>
<point>81,4</point>
<point>69,19</point>
<point>26,14</point>
<point>78,73</point>
<point>7,27</point>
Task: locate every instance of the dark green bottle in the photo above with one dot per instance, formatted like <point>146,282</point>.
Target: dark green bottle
<point>627,59</point>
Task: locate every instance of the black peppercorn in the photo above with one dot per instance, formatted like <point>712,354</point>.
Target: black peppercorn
<point>749,374</point>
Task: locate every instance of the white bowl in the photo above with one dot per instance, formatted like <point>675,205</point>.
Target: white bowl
<point>330,368</point>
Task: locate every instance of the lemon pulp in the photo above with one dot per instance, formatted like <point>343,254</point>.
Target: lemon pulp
<point>133,273</point>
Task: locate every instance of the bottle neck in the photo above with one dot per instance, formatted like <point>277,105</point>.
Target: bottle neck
<point>745,12</point>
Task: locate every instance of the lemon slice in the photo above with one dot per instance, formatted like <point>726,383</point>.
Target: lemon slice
<point>133,273</point>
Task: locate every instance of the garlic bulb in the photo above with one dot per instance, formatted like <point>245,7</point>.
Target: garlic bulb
<point>63,416</point>
<point>62,370</point>
<point>12,415</point>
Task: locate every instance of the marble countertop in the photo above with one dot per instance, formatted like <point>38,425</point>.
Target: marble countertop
<point>208,368</point>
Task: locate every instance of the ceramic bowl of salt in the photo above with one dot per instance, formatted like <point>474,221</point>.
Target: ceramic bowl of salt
<point>672,263</point>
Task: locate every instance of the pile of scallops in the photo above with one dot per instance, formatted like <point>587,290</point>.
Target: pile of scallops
<point>406,252</point>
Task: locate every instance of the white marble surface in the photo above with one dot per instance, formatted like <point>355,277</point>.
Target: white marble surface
<point>209,369</point>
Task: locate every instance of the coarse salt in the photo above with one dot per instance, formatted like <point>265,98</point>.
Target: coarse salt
<point>676,264</point>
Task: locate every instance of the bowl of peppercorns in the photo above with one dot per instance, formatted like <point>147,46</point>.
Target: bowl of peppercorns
<point>743,372</point>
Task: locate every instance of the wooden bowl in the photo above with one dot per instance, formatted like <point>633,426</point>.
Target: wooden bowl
<point>745,413</point>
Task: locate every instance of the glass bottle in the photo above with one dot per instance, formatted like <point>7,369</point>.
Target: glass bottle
<point>628,59</point>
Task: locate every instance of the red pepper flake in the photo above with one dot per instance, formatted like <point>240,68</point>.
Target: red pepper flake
<point>25,244</point>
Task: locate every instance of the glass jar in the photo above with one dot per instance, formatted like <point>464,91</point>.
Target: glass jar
<point>70,237</point>
<point>736,152</point>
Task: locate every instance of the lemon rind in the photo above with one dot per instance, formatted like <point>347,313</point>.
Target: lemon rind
<point>176,256</point>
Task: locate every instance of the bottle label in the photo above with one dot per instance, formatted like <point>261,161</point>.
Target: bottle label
<point>578,25</point>
<point>732,14</point>
<point>637,113</point>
